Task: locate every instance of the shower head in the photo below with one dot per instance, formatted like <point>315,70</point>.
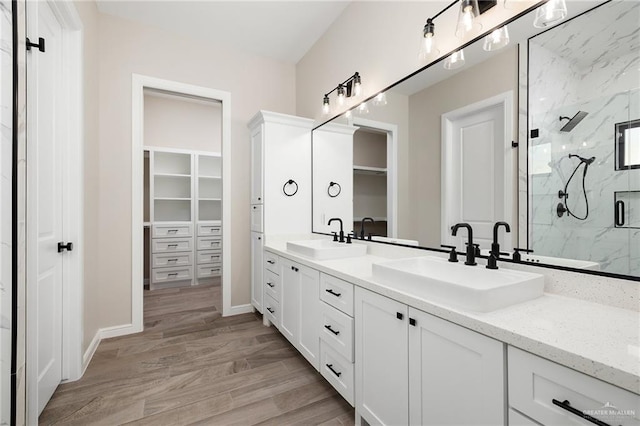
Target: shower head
<point>587,161</point>
<point>573,122</point>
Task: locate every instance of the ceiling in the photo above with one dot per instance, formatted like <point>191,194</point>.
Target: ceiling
<point>282,30</point>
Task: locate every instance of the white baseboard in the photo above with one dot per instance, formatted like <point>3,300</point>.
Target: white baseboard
<point>103,333</point>
<point>118,330</point>
<point>91,350</point>
<point>239,309</point>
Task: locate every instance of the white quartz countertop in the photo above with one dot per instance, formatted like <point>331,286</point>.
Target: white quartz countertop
<point>598,340</point>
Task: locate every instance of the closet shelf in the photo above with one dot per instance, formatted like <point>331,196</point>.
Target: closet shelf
<point>209,199</point>
<point>209,177</point>
<point>171,199</point>
<point>365,170</point>
<point>172,175</point>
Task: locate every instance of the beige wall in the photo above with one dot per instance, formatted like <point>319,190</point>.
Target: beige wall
<point>489,78</point>
<point>369,149</point>
<point>125,48</point>
<point>92,304</point>
<point>174,122</point>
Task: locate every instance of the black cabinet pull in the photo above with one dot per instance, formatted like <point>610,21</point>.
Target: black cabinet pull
<point>62,247</point>
<point>412,322</point>
<point>174,274</point>
<point>270,285</point>
<point>270,310</point>
<point>330,367</point>
<point>328,327</point>
<point>172,260</point>
<point>271,262</point>
<point>619,213</point>
<point>333,292</point>
<point>566,405</point>
<point>293,268</point>
<point>399,315</point>
<point>172,245</point>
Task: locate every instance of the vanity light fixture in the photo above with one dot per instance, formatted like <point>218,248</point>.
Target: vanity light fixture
<point>549,13</point>
<point>363,108</point>
<point>427,44</point>
<point>455,60</point>
<point>467,21</point>
<point>380,99</point>
<point>351,87</point>
<point>496,40</point>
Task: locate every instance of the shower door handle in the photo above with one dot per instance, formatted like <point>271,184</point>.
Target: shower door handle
<point>619,213</point>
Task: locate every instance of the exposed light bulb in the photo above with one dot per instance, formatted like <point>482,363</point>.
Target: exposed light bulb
<point>340,95</point>
<point>348,114</point>
<point>497,39</point>
<point>455,60</point>
<point>326,108</point>
<point>380,99</point>
<point>467,18</point>
<point>467,21</point>
<point>357,84</point>
<point>550,13</point>
<point>427,44</point>
<point>363,108</point>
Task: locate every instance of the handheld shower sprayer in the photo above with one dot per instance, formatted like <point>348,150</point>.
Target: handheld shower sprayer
<point>563,207</point>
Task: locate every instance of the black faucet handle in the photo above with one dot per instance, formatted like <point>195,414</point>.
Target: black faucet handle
<point>335,236</point>
<point>516,253</point>
<point>453,255</point>
<point>369,236</point>
<point>349,238</point>
<point>492,262</point>
<point>476,248</point>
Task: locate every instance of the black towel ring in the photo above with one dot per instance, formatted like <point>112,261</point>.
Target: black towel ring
<point>335,194</point>
<point>290,182</point>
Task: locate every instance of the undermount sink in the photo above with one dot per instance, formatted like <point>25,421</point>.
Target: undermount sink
<point>473,288</point>
<point>326,249</point>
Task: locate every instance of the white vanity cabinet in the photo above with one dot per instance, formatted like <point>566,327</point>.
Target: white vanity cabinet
<point>551,394</point>
<point>300,308</point>
<point>257,244</point>
<point>440,373</point>
<point>280,181</point>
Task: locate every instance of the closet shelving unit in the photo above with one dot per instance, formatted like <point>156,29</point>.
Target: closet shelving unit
<point>185,212</point>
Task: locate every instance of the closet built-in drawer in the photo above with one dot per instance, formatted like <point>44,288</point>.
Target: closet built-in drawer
<point>337,293</point>
<point>272,285</point>
<point>552,394</point>
<point>338,371</point>
<point>167,245</point>
<point>336,329</point>
<point>208,271</point>
<point>271,262</point>
<point>272,310</point>
<point>163,260</point>
<point>256,218</point>
<point>209,243</point>
<point>165,231</point>
<point>209,256</point>
<point>209,230</point>
<point>164,275</point>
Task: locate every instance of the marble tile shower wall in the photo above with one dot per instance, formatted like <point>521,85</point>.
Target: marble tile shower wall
<point>6,141</point>
<point>608,91</point>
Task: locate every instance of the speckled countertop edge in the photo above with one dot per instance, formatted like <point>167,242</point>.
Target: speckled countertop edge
<point>585,336</point>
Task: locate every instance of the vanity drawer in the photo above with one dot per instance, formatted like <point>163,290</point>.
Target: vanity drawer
<point>163,260</point>
<point>272,285</point>
<point>535,382</point>
<point>209,243</point>
<point>207,271</point>
<point>336,329</point>
<point>164,275</point>
<point>272,262</point>
<point>209,230</point>
<point>209,256</point>
<point>336,292</point>
<point>272,310</point>
<point>338,371</point>
<point>168,245</point>
<point>165,231</point>
<point>517,419</point>
<point>256,218</point>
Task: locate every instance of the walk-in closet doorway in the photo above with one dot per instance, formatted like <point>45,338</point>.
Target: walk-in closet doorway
<point>181,206</point>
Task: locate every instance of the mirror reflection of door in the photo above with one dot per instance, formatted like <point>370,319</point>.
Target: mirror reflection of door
<point>370,181</point>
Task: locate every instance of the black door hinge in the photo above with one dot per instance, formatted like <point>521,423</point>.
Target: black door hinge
<point>40,44</point>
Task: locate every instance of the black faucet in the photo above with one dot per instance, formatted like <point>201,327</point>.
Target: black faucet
<point>341,229</point>
<point>365,219</point>
<point>495,246</point>
<point>471,250</point>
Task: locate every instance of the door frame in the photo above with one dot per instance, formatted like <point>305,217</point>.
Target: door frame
<point>392,168</point>
<point>73,204</point>
<point>504,100</point>
<point>138,84</point>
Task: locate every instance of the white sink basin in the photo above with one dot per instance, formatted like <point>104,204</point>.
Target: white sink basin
<point>473,288</point>
<point>326,249</point>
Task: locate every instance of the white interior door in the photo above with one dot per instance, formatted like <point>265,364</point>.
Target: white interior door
<point>477,178</point>
<point>44,208</point>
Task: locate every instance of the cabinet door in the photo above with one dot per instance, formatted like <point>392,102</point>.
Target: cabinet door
<point>309,338</point>
<point>256,270</point>
<point>382,371</point>
<point>290,300</point>
<point>256,165</point>
<point>456,376</point>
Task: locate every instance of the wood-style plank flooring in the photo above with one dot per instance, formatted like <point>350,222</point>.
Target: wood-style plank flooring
<point>191,366</point>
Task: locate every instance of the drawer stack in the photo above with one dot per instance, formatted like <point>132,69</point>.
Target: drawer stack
<point>171,255</point>
<point>337,335</point>
<point>272,285</point>
<point>209,251</point>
